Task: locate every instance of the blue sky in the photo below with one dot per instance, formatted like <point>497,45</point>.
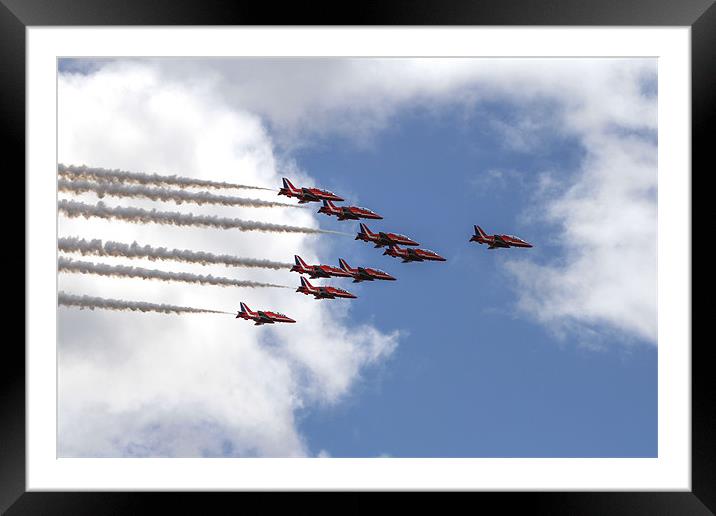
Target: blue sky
<point>473,377</point>
<point>542,352</point>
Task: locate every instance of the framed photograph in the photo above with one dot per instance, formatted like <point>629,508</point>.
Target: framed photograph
<point>428,249</point>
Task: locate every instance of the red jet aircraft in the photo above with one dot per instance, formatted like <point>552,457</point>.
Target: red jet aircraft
<point>364,274</point>
<point>413,255</point>
<point>322,292</point>
<point>496,241</point>
<point>305,195</point>
<point>259,317</point>
<point>318,271</point>
<point>348,212</point>
<point>381,239</point>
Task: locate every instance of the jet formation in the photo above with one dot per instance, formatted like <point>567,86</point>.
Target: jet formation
<point>393,241</point>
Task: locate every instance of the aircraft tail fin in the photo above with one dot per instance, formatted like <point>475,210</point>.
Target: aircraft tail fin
<point>245,308</point>
<point>364,229</point>
<point>287,184</point>
<point>299,261</point>
<point>344,265</point>
<point>480,232</point>
<point>306,283</point>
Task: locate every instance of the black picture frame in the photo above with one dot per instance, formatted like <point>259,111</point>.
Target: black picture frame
<point>16,15</point>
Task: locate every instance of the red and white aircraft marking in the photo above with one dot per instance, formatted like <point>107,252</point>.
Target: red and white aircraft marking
<point>318,271</point>
<point>381,239</point>
<point>347,212</point>
<point>497,241</point>
<point>305,195</point>
<point>323,292</point>
<point>363,273</point>
<point>260,317</point>
<point>413,255</point>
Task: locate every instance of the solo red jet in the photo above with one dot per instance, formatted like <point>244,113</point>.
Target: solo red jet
<point>318,271</point>
<point>305,195</point>
<point>364,274</point>
<point>322,292</point>
<point>259,317</point>
<point>496,241</point>
<point>381,239</point>
<point>413,255</point>
<point>348,212</point>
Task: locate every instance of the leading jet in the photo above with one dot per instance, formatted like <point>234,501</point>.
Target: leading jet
<point>381,239</point>
<point>323,292</point>
<point>364,273</point>
<point>413,255</point>
<point>347,212</point>
<point>260,317</point>
<point>497,241</point>
<point>305,195</point>
<point>318,271</point>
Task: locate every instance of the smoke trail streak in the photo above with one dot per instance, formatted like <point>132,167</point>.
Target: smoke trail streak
<point>163,194</point>
<point>101,303</point>
<point>109,248</point>
<point>122,176</point>
<point>140,216</point>
<point>121,271</point>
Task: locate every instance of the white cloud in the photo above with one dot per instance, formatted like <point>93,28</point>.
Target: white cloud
<point>203,384</point>
<point>152,384</point>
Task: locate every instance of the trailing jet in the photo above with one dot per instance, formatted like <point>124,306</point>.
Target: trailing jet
<point>318,271</point>
<point>348,212</point>
<point>413,255</point>
<point>259,317</point>
<point>322,292</point>
<point>496,241</point>
<point>305,195</point>
<point>364,274</point>
<point>381,239</point>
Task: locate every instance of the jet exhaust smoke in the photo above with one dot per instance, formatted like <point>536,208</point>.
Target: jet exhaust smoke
<point>95,247</point>
<point>122,176</point>
<point>141,216</point>
<point>121,271</point>
<point>163,194</point>
<point>101,303</point>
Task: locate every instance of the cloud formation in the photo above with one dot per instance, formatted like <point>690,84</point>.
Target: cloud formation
<point>150,385</point>
<point>155,386</point>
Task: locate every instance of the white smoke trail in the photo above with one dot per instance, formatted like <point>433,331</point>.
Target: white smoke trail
<point>109,248</point>
<point>101,303</point>
<point>121,271</point>
<point>162,194</point>
<point>140,216</point>
<point>122,176</point>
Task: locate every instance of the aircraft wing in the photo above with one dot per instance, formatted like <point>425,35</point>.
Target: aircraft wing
<point>264,319</point>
